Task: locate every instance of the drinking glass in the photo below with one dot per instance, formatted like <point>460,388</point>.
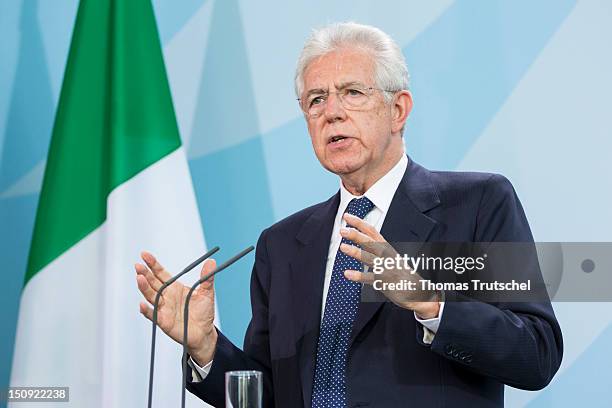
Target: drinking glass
<point>243,389</point>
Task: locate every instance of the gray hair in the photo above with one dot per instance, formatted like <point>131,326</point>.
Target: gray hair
<point>390,72</point>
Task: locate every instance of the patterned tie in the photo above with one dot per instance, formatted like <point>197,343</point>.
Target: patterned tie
<point>329,389</point>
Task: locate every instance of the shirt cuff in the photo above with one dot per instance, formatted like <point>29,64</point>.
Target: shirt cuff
<point>198,373</point>
<point>430,326</point>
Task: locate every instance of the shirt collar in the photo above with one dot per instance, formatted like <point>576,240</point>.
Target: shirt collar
<point>381,193</point>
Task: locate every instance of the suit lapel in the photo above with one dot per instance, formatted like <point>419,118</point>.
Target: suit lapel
<point>307,277</point>
<point>405,222</point>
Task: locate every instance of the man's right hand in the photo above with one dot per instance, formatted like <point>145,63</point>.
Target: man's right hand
<point>202,336</point>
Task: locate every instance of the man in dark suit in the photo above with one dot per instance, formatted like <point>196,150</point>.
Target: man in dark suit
<point>316,343</point>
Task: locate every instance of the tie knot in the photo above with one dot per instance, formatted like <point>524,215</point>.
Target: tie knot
<point>360,207</point>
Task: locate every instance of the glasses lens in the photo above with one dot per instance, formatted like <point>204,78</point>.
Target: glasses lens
<point>354,97</point>
<point>315,104</point>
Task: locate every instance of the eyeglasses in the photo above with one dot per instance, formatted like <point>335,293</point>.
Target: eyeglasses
<point>352,97</point>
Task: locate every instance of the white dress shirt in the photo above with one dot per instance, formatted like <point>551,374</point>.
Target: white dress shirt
<point>381,194</point>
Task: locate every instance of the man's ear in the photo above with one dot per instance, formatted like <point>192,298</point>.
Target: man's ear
<point>402,105</point>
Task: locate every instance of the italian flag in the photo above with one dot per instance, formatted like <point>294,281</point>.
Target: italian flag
<point>116,182</point>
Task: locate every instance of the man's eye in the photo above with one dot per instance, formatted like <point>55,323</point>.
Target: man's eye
<point>354,92</point>
<point>316,100</point>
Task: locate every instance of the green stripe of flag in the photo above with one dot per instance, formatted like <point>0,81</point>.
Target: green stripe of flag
<point>114,118</point>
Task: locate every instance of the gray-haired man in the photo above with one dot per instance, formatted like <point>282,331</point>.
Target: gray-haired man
<point>310,335</point>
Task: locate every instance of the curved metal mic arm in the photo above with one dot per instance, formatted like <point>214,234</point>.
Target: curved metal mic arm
<point>154,320</point>
<point>186,312</point>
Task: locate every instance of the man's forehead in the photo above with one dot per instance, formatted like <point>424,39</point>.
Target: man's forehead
<point>339,68</point>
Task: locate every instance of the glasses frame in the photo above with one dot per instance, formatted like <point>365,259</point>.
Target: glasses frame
<point>369,91</point>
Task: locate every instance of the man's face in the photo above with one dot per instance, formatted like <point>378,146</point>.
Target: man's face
<point>366,133</point>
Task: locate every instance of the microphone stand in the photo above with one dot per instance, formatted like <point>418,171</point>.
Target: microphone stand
<point>186,312</point>
<point>154,320</point>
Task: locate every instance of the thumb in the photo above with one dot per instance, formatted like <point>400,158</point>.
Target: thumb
<point>208,267</point>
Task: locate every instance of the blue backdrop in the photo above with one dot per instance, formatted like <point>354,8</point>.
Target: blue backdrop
<point>520,88</point>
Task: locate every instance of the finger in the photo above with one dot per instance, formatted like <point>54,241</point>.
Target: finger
<point>208,267</point>
<point>386,250</point>
<point>158,270</point>
<point>359,254</point>
<point>367,237</point>
<point>146,311</point>
<point>363,226</point>
<point>142,270</point>
<point>360,277</point>
<point>147,291</point>
<point>364,241</point>
<point>355,235</point>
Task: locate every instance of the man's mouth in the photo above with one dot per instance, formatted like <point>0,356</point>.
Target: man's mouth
<point>335,139</point>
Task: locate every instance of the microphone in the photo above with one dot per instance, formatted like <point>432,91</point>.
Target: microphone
<point>154,320</point>
<point>186,311</point>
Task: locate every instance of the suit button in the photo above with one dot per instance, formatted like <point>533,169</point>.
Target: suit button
<point>449,349</point>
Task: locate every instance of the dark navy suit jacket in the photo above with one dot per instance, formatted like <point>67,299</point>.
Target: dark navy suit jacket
<point>477,349</point>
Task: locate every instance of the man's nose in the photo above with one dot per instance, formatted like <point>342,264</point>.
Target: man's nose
<point>334,110</point>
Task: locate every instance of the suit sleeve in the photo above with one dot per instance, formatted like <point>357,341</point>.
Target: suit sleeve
<point>256,354</point>
<point>517,343</point>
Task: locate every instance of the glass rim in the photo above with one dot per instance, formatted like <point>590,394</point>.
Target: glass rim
<point>243,373</point>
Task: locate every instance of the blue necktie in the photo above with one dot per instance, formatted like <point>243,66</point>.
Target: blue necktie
<point>329,388</point>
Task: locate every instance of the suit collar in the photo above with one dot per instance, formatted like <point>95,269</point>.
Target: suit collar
<point>406,219</point>
<point>418,187</point>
